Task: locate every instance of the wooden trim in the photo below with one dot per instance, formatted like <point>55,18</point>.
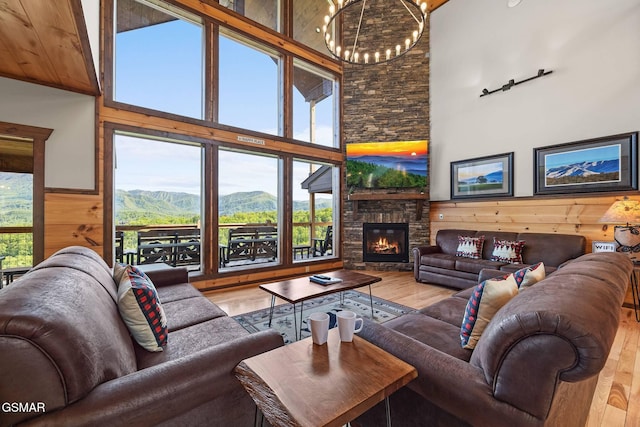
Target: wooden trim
<point>210,236</point>
<point>38,136</point>
<point>107,36</point>
<point>287,97</point>
<point>286,13</point>
<point>108,195</point>
<point>211,58</point>
<point>228,135</point>
<point>286,229</point>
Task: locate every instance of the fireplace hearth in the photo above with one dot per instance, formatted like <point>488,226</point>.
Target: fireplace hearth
<point>383,242</point>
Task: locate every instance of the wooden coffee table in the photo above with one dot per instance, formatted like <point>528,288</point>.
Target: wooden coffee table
<point>304,384</point>
<point>299,290</point>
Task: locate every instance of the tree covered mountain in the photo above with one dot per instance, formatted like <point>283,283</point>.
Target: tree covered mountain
<point>131,204</point>
<point>16,199</point>
<point>140,206</point>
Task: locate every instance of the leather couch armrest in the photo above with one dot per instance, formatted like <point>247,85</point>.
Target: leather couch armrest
<point>452,384</point>
<point>418,252</point>
<point>489,273</point>
<point>168,276</point>
<point>158,393</point>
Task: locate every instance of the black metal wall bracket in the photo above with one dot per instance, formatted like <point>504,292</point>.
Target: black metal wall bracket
<point>511,83</point>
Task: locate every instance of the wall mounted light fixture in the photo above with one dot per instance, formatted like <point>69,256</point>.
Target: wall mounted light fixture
<point>511,83</point>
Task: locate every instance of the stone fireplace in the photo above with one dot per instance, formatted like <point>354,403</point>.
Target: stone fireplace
<point>385,242</point>
<point>411,214</point>
<point>385,103</point>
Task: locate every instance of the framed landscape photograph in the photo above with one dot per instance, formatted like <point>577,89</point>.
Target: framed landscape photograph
<point>601,164</point>
<point>490,176</point>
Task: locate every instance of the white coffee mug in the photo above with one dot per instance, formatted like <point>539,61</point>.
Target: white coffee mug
<point>347,325</point>
<point>319,327</point>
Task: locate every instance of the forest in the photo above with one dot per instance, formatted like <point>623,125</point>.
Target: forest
<point>369,175</point>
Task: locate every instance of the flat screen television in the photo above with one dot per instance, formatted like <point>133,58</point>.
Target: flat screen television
<point>399,164</point>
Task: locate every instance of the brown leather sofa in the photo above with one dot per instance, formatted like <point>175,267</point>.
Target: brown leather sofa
<point>65,348</point>
<point>438,264</point>
<point>536,364</point>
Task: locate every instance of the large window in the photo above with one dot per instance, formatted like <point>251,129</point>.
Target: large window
<point>16,216</point>
<point>249,209</point>
<point>250,201</point>
<point>158,58</point>
<point>315,106</point>
<point>249,89</point>
<point>157,201</point>
<point>314,210</point>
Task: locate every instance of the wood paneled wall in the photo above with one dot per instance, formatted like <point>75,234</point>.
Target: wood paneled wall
<point>73,219</point>
<point>554,215</point>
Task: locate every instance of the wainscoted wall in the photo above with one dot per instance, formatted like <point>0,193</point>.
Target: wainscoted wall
<point>73,219</point>
<point>554,215</point>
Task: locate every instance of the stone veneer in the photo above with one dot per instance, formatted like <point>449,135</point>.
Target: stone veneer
<point>386,102</point>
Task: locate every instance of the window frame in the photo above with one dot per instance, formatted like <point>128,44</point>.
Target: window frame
<point>115,115</point>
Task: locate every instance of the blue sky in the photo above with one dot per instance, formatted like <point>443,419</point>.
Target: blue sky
<point>161,67</point>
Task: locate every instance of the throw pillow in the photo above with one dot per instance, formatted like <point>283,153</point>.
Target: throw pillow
<point>140,307</point>
<point>470,247</point>
<point>528,276</point>
<point>487,298</point>
<point>507,251</point>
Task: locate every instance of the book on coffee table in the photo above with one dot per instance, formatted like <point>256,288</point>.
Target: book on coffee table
<point>324,280</point>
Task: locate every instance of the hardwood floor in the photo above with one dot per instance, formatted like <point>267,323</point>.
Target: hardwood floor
<point>616,402</point>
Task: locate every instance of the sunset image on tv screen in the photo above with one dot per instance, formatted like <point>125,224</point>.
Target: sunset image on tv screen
<point>400,164</point>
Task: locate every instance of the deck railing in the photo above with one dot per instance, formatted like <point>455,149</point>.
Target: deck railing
<point>130,232</point>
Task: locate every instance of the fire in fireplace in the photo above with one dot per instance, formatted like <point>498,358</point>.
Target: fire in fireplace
<point>385,242</point>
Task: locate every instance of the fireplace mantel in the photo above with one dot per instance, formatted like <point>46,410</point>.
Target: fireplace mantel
<point>418,197</point>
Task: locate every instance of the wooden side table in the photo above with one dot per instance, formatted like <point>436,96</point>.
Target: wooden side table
<point>304,384</point>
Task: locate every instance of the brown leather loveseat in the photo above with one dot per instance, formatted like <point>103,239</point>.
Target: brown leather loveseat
<point>438,264</point>
<point>536,364</point>
<point>67,359</point>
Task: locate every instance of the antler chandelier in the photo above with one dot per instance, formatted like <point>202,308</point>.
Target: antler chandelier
<point>373,31</point>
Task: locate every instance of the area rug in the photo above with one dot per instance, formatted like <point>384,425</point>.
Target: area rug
<point>283,320</point>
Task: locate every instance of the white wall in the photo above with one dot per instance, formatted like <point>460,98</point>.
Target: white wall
<point>593,48</point>
<point>91,11</point>
<point>70,150</point>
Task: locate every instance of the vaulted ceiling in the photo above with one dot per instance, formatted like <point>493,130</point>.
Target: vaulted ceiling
<point>46,42</point>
